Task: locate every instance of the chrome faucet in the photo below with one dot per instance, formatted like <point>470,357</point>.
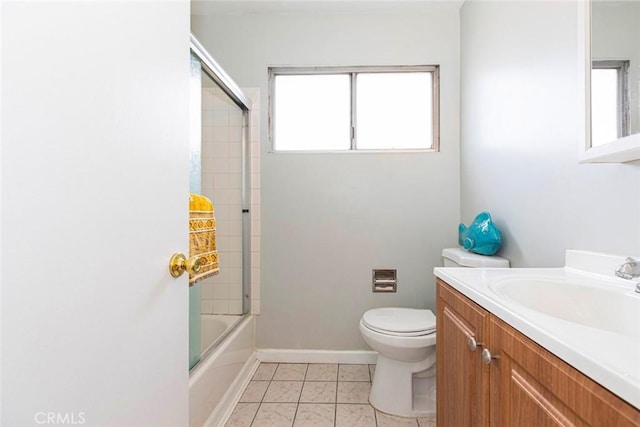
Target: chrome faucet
<point>630,270</point>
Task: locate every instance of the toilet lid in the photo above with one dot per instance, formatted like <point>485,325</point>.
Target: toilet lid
<point>400,321</point>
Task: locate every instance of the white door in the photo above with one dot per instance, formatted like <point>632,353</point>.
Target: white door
<point>94,203</point>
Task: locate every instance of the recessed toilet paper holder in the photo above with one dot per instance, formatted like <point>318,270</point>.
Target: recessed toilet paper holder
<point>384,280</point>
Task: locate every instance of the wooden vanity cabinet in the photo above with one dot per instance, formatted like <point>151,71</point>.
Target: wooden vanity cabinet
<point>523,385</point>
<point>462,378</point>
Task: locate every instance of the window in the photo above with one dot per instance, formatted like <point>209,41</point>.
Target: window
<point>359,108</point>
<point>609,101</point>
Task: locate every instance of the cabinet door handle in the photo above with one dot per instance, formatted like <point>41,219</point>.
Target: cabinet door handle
<point>473,344</point>
<point>487,357</point>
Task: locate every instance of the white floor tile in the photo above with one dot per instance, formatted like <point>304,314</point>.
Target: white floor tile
<point>254,391</point>
<point>348,415</point>
<point>353,392</point>
<point>265,372</point>
<point>315,415</point>
<point>275,415</point>
<point>290,372</point>
<point>353,373</point>
<point>318,392</point>
<point>283,392</point>
<point>322,372</point>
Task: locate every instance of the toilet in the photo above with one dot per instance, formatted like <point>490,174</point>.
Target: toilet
<point>404,382</point>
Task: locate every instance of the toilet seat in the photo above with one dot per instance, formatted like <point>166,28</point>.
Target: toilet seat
<point>400,322</point>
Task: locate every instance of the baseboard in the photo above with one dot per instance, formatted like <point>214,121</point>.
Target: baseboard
<point>223,411</point>
<point>274,355</point>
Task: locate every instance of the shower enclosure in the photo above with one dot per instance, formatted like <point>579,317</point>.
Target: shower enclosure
<point>219,170</point>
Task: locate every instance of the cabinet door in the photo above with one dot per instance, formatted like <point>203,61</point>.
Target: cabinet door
<point>532,387</point>
<point>462,379</point>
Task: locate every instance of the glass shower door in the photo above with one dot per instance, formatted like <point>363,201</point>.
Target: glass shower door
<point>219,160</point>
<point>195,186</point>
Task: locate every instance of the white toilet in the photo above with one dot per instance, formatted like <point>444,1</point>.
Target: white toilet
<point>404,382</point>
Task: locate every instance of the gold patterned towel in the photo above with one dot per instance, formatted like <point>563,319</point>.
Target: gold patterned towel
<point>202,237</point>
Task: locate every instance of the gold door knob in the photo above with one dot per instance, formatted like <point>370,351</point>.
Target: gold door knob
<point>179,264</point>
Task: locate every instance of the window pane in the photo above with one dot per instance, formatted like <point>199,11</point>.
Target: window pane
<point>312,112</point>
<point>394,110</point>
<point>604,106</point>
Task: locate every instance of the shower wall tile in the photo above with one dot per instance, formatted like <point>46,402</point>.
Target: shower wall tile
<point>220,307</point>
<point>235,245</point>
<point>255,292</point>
<point>235,306</point>
<point>235,275</point>
<point>207,100</point>
<point>235,292</point>
<point>235,227</point>
<point>255,210</point>
<point>221,165</point>
<point>207,136</point>
<point>206,306</point>
<point>255,201</point>
<point>235,181</point>
<point>206,291</point>
<point>234,260</point>
<point>255,242</point>
<point>220,291</point>
<point>234,167</point>
<point>221,182</point>
<point>255,227</point>
<point>207,120</point>
<point>221,135</point>
<point>255,196</point>
<point>255,259</point>
<point>255,305</point>
<point>235,121</point>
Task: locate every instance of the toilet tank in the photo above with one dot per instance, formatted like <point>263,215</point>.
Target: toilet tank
<point>458,257</point>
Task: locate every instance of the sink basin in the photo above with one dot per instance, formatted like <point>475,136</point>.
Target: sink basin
<point>604,306</point>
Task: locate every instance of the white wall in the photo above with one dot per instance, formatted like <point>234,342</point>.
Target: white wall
<point>519,138</point>
<point>329,219</point>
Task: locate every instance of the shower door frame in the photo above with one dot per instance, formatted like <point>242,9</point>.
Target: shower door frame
<point>231,89</point>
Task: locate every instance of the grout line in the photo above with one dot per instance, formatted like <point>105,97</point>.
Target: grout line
<point>335,405</point>
<point>295,414</point>
<point>256,414</point>
<point>304,382</point>
<point>274,373</point>
<point>375,415</point>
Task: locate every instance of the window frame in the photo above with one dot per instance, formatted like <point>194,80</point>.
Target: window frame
<point>353,72</point>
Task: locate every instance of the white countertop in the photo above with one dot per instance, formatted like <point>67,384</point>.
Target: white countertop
<point>610,358</point>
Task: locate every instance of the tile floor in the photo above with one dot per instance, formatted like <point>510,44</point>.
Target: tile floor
<point>313,395</point>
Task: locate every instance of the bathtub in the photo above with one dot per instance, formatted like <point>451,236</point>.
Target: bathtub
<point>223,370</point>
<point>213,329</point>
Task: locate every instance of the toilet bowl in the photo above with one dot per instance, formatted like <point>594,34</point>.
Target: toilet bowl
<point>404,382</point>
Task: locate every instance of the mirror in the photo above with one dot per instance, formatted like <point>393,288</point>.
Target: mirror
<point>610,59</point>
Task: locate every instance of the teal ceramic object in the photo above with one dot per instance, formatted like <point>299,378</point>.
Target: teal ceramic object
<point>481,237</point>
